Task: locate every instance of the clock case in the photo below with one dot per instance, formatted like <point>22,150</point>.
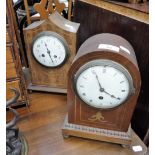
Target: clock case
<point>44,78</point>
<point>116,124</point>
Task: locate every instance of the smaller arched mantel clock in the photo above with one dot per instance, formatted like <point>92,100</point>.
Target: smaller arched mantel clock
<point>51,48</point>
<point>103,87</point>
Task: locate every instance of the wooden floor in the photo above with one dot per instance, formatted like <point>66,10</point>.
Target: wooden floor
<point>42,128</point>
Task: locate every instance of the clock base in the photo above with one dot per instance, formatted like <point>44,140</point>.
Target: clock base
<point>32,87</point>
<point>118,137</point>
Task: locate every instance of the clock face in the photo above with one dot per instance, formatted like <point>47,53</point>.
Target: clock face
<point>50,49</point>
<point>103,84</point>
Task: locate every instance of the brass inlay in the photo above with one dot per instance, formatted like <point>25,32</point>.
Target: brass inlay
<point>97,117</point>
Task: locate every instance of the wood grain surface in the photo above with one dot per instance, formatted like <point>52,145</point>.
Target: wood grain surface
<point>13,84</point>
<point>55,77</point>
<point>143,7</point>
<point>11,71</point>
<point>8,39</point>
<point>9,55</point>
<point>14,74</point>
<point>136,14</point>
<point>42,129</point>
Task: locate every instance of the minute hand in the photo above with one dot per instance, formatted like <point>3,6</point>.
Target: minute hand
<point>101,89</point>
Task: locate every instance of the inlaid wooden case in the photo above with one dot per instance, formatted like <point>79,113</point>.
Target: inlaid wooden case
<point>114,121</point>
<point>132,23</point>
<point>45,78</point>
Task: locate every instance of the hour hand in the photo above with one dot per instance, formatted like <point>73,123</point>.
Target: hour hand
<point>49,52</point>
<point>112,96</point>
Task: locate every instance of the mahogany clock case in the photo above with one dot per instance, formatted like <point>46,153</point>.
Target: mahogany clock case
<point>118,118</point>
<point>45,78</point>
<point>105,20</point>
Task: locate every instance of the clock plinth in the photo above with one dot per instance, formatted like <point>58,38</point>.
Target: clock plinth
<point>105,135</point>
<point>32,87</point>
<point>46,89</point>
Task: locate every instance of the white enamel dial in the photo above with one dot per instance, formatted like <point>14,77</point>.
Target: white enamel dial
<point>103,85</point>
<point>49,50</point>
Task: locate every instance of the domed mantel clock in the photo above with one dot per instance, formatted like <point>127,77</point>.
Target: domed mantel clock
<point>51,48</point>
<point>103,87</point>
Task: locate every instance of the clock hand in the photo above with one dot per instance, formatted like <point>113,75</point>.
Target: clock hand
<point>101,88</point>
<point>111,95</point>
<point>49,52</point>
<point>50,56</point>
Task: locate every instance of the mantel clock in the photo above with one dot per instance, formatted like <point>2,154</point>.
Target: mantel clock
<point>51,47</point>
<point>103,87</point>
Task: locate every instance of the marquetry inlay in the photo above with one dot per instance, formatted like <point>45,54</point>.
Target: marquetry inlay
<point>97,117</point>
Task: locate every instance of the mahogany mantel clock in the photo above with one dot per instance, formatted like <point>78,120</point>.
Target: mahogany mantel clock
<point>103,87</point>
<point>51,47</point>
